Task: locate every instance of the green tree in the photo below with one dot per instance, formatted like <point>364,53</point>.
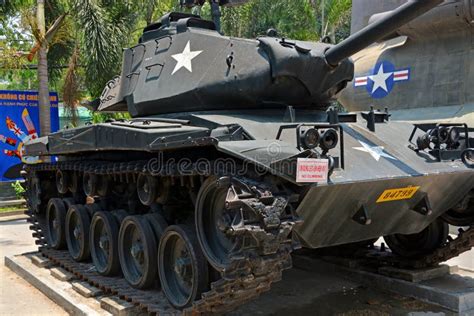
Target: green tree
<point>43,37</point>
<point>85,50</point>
<point>332,18</point>
<point>15,44</point>
<point>85,34</point>
<point>294,19</point>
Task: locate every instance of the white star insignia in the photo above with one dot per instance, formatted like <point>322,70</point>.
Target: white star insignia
<point>184,59</point>
<point>376,152</point>
<point>380,79</point>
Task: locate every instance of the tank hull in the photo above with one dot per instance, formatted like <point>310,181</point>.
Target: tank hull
<point>328,212</point>
<point>374,162</point>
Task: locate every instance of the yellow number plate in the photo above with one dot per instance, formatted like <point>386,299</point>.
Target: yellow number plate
<point>397,194</point>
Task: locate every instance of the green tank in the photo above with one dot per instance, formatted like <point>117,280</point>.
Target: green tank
<point>233,159</point>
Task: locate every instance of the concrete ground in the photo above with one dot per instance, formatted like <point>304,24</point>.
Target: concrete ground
<point>17,297</point>
<point>300,292</point>
<point>323,293</point>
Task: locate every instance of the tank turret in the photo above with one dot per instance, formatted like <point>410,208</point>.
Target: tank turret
<point>182,64</point>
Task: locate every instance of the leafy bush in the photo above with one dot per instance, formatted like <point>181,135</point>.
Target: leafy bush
<point>19,189</point>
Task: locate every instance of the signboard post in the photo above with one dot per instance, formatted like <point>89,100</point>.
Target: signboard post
<point>19,123</point>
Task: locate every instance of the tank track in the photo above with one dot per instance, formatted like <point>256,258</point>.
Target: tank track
<point>232,290</point>
<point>451,249</point>
<point>378,256</point>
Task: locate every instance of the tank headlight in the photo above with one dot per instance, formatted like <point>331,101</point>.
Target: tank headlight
<point>443,134</point>
<point>453,136</point>
<point>309,138</point>
<point>424,141</point>
<point>329,139</point>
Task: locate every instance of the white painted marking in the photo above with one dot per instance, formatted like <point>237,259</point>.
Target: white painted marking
<point>185,59</point>
<point>376,151</point>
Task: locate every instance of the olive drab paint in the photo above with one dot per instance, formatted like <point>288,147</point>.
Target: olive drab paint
<point>436,53</point>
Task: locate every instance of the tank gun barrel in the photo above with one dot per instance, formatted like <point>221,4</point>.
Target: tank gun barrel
<point>379,29</point>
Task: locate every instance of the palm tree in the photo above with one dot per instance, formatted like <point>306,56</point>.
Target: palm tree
<point>43,83</point>
<point>92,51</point>
<point>37,22</point>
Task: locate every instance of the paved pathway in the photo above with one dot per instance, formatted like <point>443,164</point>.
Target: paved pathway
<point>17,297</point>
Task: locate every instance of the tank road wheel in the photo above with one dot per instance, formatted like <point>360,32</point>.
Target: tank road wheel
<point>68,202</point>
<point>138,252</point>
<point>92,209</point>
<point>77,232</point>
<point>63,181</point>
<point>103,240</point>
<point>463,213</point>
<point>89,184</point>
<point>182,266</point>
<point>56,224</point>
<point>147,189</point>
<point>212,221</point>
<point>420,244</point>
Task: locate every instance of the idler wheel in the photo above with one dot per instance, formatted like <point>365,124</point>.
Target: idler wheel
<point>104,234</point>
<point>213,220</point>
<point>462,214</point>
<point>420,244</point>
<point>182,267</point>
<point>138,252</point>
<point>77,232</point>
<point>147,189</point>
<point>56,224</point>
<point>89,184</point>
<point>63,181</point>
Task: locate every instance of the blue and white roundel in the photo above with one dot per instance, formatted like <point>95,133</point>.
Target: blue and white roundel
<point>379,83</point>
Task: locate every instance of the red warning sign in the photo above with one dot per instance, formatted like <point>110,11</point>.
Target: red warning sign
<point>310,170</point>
